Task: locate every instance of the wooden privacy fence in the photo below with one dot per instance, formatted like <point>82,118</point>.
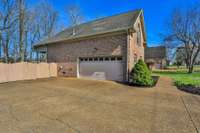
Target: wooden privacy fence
<point>26,71</point>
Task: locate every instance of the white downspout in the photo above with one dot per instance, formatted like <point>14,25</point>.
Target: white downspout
<point>128,56</point>
<point>77,70</point>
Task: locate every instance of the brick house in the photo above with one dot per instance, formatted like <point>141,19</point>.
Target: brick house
<point>105,48</point>
<point>156,57</point>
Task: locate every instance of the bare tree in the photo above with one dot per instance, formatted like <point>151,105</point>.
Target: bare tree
<point>21,17</point>
<point>74,15</point>
<point>33,31</point>
<point>185,32</point>
<point>7,20</point>
<point>21,26</point>
<point>42,23</point>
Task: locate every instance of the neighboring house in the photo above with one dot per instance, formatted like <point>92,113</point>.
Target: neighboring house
<point>105,48</point>
<point>180,56</point>
<point>156,57</point>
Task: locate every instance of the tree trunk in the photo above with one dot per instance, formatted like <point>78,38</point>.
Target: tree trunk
<point>5,51</point>
<point>5,56</point>
<point>31,54</point>
<point>187,65</point>
<point>192,61</point>
<point>21,30</point>
<point>0,45</point>
<point>15,51</point>
<point>0,52</point>
<point>25,46</point>
<point>190,69</point>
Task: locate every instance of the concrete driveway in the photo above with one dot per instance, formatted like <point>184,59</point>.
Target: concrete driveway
<point>72,105</point>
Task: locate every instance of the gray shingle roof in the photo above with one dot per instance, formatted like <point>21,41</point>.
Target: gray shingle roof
<point>155,52</point>
<point>114,23</point>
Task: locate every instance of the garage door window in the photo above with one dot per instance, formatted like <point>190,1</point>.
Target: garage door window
<point>106,58</point>
<point>90,59</point>
<point>113,58</point>
<point>95,59</point>
<point>101,59</point>
<point>119,58</point>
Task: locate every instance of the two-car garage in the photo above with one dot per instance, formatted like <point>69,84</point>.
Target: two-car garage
<point>101,68</point>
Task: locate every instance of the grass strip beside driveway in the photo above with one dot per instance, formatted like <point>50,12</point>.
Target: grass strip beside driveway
<point>181,78</point>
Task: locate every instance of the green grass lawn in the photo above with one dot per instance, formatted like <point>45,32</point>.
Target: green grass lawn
<point>183,68</point>
<point>181,77</point>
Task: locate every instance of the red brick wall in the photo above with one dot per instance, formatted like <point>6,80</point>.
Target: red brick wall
<point>66,54</point>
<point>134,48</point>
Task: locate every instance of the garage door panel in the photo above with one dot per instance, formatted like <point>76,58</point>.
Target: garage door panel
<point>105,70</point>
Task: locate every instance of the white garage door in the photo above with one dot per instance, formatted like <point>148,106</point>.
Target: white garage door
<point>102,68</point>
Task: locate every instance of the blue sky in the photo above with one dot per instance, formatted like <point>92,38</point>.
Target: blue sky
<point>156,12</point>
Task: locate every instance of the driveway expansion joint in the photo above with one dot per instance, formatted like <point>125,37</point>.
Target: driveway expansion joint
<point>60,121</point>
<point>190,116</point>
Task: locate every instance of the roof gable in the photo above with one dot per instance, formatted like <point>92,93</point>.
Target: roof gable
<point>155,52</point>
<point>114,23</point>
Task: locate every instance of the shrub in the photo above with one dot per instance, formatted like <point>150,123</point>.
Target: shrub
<point>141,75</point>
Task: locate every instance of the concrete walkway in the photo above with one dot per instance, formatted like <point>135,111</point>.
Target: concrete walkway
<point>83,106</point>
<point>181,109</point>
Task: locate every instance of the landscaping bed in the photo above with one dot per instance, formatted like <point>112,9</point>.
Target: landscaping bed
<point>190,89</point>
<point>155,80</point>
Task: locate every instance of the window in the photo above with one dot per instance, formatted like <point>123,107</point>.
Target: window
<point>139,36</point>
<point>135,58</point>
<point>42,56</point>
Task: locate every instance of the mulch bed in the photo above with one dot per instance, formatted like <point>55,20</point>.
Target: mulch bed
<point>155,78</point>
<point>190,89</point>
